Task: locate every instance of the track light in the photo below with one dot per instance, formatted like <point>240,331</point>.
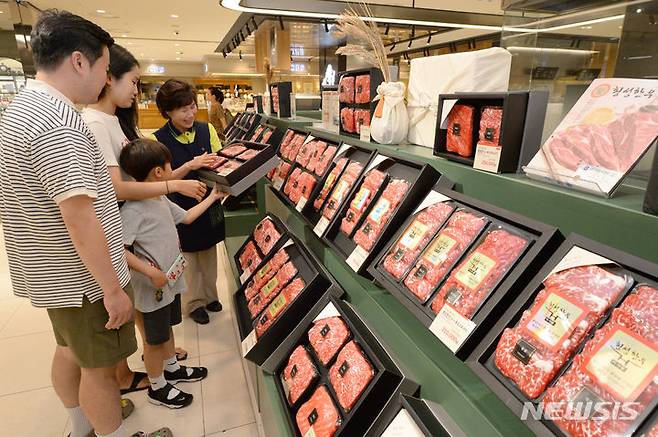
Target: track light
<point>281,23</point>
<point>388,27</point>
<point>326,26</point>
<point>429,37</point>
<point>241,55</point>
<point>411,41</point>
<point>393,46</point>
<point>413,32</point>
<point>242,35</point>
<point>248,29</point>
<point>224,53</point>
<point>253,19</point>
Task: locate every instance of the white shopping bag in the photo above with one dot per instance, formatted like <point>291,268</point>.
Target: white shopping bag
<point>390,123</point>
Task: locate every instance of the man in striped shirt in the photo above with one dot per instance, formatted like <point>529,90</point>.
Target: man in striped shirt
<point>61,221</point>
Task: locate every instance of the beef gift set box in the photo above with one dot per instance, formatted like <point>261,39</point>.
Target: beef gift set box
<point>357,90</point>
<point>267,236</point>
<point>280,99</point>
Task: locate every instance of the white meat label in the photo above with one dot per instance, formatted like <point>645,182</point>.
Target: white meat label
<point>321,226</point>
<point>451,328</point>
<point>487,158</point>
<point>403,425</point>
<point>249,342</point>
<point>357,258</point>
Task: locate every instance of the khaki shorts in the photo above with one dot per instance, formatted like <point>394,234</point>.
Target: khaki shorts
<point>83,331</point>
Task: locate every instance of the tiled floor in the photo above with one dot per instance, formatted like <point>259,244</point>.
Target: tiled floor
<point>29,406</point>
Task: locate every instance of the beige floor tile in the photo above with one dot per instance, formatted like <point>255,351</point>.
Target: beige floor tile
<point>8,308</point>
<point>29,366</point>
<point>250,430</point>
<point>27,320</point>
<point>32,413</point>
<point>6,291</point>
<point>217,336</point>
<point>226,402</point>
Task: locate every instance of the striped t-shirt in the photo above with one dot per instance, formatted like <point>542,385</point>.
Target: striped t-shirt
<point>48,155</point>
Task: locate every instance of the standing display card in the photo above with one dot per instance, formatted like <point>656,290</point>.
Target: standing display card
<point>602,137</point>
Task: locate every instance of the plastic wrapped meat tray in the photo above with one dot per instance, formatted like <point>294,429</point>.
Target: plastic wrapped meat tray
<point>369,189</point>
<point>218,162</point>
<point>249,256</point>
<point>278,305</point>
<point>350,375</point>
<point>265,273</point>
<point>324,161</point>
<point>460,130</point>
<point>270,290</point>
<point>318,151</point>
<point>471,282</point>
<point>618,364</point>
<point>285,142</point>
<point>415,238</point>
<point>381,213</point>
<point>327,336</point>
<point>228,167</point>
<point>257,133</point>
<point>283,169</point>
<point>329,183</point>
<point>233,151</point>
<point>362,92</point>
<point>347,120</point>
<point>266,235</point>
<point>443,252</point>
<point>564,312</point>
<point>248,154</point>
<point>275,99</point>
<point>361,118</point>
<point>346,89</point>
<point>490,125</point>
<point>266,136</point>
<point>318,413</point>
<point>303,188</point>
<point>305,153</point>
<point>342,189</point>
<point>292,181</point>
<point>299,373</point>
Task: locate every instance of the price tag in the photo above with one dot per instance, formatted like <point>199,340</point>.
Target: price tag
<point>301,204</point>
<point>432,198</point>
<point>249,342</point>
<point>357,258</point>
<point>310,432</point>
<point>603,178</point>
<point>487,157</point>
<point>244,276</point>
<point>578,257</point>
<point>403,426</point>
<point>277,183</point>
<point>451,327</point>
<point>364,135</point>
<point>321,226</point>
<point>328,311</point>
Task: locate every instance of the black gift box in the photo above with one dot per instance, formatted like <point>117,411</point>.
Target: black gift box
<point>280,227</point>
<point>389,377</point>
<point>520,131</point>
<point>279,186</point>
<point>481,361</point>
<point>376,79</point>
<point>284,89</point>
<point>317,285</point>
<point>242,127</point>
<point>430,418</point>
<point>545,239</point>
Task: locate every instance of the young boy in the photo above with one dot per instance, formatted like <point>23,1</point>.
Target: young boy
<point>149,226</point>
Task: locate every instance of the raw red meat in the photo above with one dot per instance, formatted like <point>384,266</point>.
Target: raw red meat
<point>490,125</point>
<point>233,151</point>
<point>271,173</point>
<point>346,89</point>
<point>318,413</point>
<point>283,170</point>
<point>361,118</point>
<point>304,187</point>
<point>259,130</point>
<point>359,204</point>
<point>350,375</point>
<point>293,149</point>
<point>562,315</point>
<point>292,182</point>
<point>329,183</point>
<point>265,273</point>
<point>266,235</point>
<point>228,167</point>
<point>246,156</point>
<point>362,86</point>
<point>631,332</point>
<point>347,120</point>
<point>269,291</point>
<point>442,253</point>
<point>305,153</point>
<point>327,336</point>
<point>266,136</point>
<point>278,305</point>
<point>249,258</point>
<point>381,213</point>
<point>460,130</point>
<point>320,147</point>
<point>218,162</point>
<point>285,142</point>
<point>299,373</point>
<point>325,160</point>
<point>475,278</point>
<point>275,99</point>
<point>342,189</point>
<point>414,239</point>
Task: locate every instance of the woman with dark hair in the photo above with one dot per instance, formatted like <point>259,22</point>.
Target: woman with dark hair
<point>217,114</point>
<point>192,144</point>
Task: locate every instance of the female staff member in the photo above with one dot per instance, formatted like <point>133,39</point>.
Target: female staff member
<point>192,141</point>
<point>217,115</point>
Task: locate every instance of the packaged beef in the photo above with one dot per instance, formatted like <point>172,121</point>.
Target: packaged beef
<point>361,118</point>
<point>265,273</point>
<point>414,239</point>
<point>491,121</point>
<point>269,291</point>
<point>259,130</point>
<point>346,89</point>
<point>247,155</point>
<point>295,146</point>
<point>325,160</point>
<point>617,367</point>
<point>285,142</point>
<point>275,99</point>
<point>305,153</point>
<point>228,167</point>
<point>218,161</point>
<point>471,282</point>
<point>369,188</point>
<point>342,189</point>
<point>233,151</point>
<point>249,258</point>
<point>318,413</point>
<point>305,184</point>
<point>292,181</point>
<point>329,183</point>
<point>460,130</point>
<point>362,89</point>
<point>381,213</point>
<point>279,304</point>
<point>266,136</point>
<point>266,235</point>
<point>327,336</point>
<point>282,170</point>
<point>564,312</point>
<point>350,375</point>
<point>347,120</point>
<point>299,373</point>
<point>443,253</point>
<point>320,147</point>
<point>271,173</point>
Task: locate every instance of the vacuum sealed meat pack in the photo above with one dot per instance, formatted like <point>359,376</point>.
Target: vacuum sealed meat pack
<point>259,130</point>
<point>347,120</point>
<point>248,154</point>
<point>460,130</point>
<point>342,189</point>
<point>269,291</point>
<point>346,89</point>
<point>295,146</point>
<point>233,151</point>
<point>491,122</point>
<point>218,161</point>
<point>415,237</point>
<point>325,160</point>
<point>361,118</point>
<point>318,151</point>
<point>471,282</point>
<point>266,136</point>
<point>381,213</point>
<point>228,167</point>
<point>292,181</point>
<point>249,256</point>
<point>282,170</point>
<point>265,273</point>
<point>299,373</point>
<point>350,375</point>
<point>318,413</point>
<point>443,252</point>
<point>266,235</point>
<point>329,183</point>
<point>327,336</point>
<point>369,189</point>
<point>285,142</point>
<point>305,153</point>
<point>563,314</point>
<point>278,305</point>
<point>362,91</point>
<point>275,99</point>
<point>303,188</point>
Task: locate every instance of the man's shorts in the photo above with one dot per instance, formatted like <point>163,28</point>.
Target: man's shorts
<point>158,322</point>
<point>82,330</point>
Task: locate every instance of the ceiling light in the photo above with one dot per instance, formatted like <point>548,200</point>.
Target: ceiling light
<point>178,59</point>
<point>2,12</point>
<point>177,45</point>
<point>638,10</point>
<point>101,11</point>
<point>124,36</point>
<point>174,16</point>
<point>129,43</point>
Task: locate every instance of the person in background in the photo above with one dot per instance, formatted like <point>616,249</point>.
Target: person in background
<point>113,121</point>
<point>192,144</point>
<point>62,224</point>
<point>217,114</point>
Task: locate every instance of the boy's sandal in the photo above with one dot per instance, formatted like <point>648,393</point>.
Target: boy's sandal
<point>162,432</point>
<point>138,377</point>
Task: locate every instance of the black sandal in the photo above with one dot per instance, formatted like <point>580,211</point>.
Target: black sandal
<point>134,385</point>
